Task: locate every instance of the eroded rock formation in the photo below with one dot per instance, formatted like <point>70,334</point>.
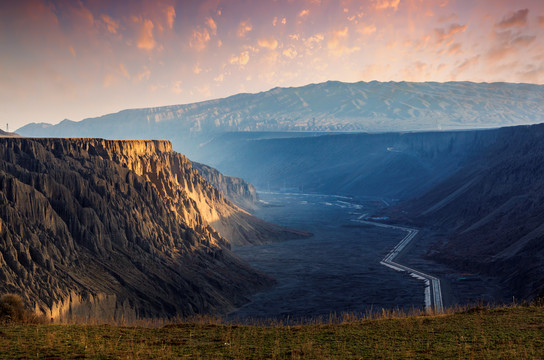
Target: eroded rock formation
<point>92,227</point>
<point>235,189</point>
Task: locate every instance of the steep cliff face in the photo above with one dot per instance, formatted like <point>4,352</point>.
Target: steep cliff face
<point>394,165</point>
<point>489,213</point>
<point>235,189</point>
<point>119,228</point>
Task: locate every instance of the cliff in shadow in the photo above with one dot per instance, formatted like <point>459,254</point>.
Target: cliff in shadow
<point>391,165</point>
<point>92,227</point>
<point>490,211</point>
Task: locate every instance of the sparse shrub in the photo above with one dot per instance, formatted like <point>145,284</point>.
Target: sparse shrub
<point>12,310</point>
<point>539,300</point>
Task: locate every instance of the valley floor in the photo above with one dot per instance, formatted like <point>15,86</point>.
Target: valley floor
<point>501,333</point>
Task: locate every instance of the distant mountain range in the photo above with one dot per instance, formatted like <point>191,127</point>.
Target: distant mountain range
<point>325,107</point>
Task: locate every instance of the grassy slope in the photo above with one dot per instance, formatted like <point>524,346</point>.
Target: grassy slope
<point>505,333</point>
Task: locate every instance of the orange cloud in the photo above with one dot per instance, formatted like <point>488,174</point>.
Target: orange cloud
<point>303,13</point>
<point>336,43</point>
<point>387,4</point>
<point>170,16</point>
<point>176,87</point>
<point>109,80</point>
<point>145,74</point>
<point>145,38</point>
<point>111,25</point>
<point>541,20</point>
<point>313,40</point>
<point>455,49</point>
<point>269,43</point>
<point>369,29</point>
<point>290,53</point>
<point>518,18</point>
<point>200,39</point>
<point>241,60</point>
<point>212,25</point>
<point>446,33</point>
<point>507,44</point>
<point>243,28</point>
<point>468,63</point>
<point>124,71</point>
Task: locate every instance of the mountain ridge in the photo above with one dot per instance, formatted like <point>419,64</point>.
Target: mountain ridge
<point>322,107</point>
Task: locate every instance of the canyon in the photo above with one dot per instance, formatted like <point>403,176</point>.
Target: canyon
<point>121,229</point>
<point>458,161</point>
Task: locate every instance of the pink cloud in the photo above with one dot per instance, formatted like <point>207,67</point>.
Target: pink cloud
<point>268,43</point>
<point>212,25</point>
<point>145,38</point>
<point>111,25</point>
<point>241,59</point>
<point>518,18</point>
<point>455,49</point>
<point>386,4</point>
<point>244,27</point>
<point>199,40</point>
<point>336,43</point>
<point>443,34</point>
<point>170,16</point>
<point>468,63</point>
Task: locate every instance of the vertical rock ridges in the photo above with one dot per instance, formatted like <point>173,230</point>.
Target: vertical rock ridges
<point>235,189</point>
<point>106,228</point>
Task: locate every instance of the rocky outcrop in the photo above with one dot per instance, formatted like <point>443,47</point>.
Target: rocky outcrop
<point>235,189</point>
<point>92,227</point>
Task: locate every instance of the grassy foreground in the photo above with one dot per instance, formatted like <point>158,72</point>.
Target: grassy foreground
<point>515,332</point>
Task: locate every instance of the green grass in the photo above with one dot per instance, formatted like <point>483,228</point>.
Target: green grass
<point>515,332</point>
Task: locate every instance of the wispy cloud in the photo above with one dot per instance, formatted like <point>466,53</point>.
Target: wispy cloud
<point>170,16</point>
<point>111,25</point>
<point>443,34</point>
<point>518,18</point>
<point>212,25</point>
<point>146,41</point>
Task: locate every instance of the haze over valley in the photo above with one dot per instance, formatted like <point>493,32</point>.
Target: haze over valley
<point>412,179</point>
<point>285,160</point>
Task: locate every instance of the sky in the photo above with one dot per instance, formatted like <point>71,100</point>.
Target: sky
<point>76,59</point>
